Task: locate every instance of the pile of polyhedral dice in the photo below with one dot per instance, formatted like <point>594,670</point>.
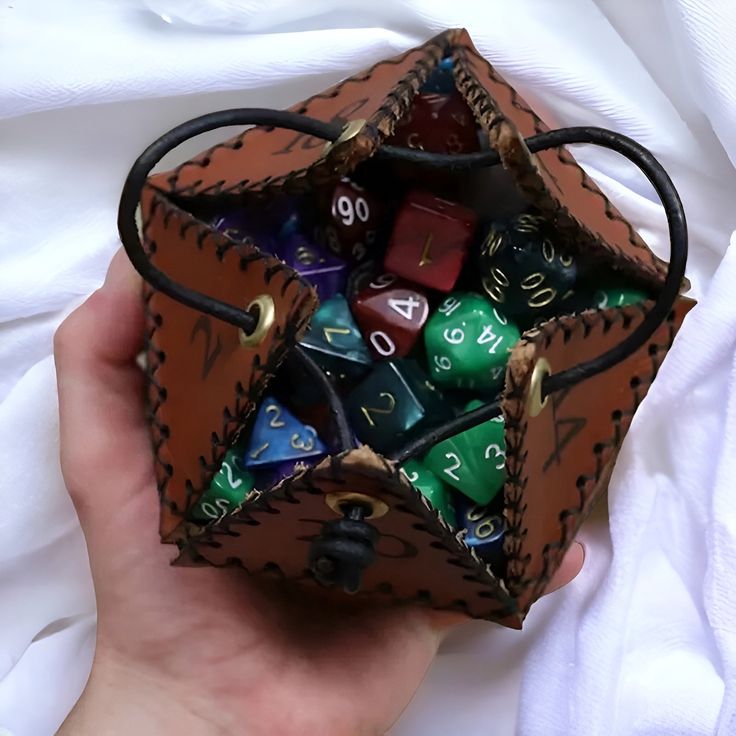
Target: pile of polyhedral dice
<point>420,305</point>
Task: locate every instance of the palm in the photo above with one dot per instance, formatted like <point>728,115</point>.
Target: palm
<point>240,651</point>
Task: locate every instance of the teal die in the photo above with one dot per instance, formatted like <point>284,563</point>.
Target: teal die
<point>394,404</point>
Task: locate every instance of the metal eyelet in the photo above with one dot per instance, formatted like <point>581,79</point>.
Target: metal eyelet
<point>375,506</point>
<point>534,401</point>
<point>350,131</point>
<point>266,310</point>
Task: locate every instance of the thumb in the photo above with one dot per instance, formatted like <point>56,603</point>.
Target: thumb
<point>105,449</point>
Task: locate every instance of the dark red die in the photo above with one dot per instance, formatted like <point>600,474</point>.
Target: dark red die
<point>352,220</point>
<point>438,123</point>
<point>430,240</point>
<point>391,314</point>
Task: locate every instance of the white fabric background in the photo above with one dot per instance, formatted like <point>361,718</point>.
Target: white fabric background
<point>644,641</point>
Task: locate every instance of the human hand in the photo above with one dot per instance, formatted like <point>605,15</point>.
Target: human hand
<point>202,650</point>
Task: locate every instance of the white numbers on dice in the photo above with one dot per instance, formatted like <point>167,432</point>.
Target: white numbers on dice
<point>487,336</point>
<point>497,373</point>
<point>382,343</point>
<point>442,362</point>
<point>448,306</point>
<point>500,317</point>
<point>413,478</point>
<point>452,468</point>
<point>454,336</point>
<point>382,281</point>
<point>498,452</point>
<point>362,209</point>
<point>348,210</point>
<point>405,307</point>
<point>234,482</point>
<point>215,510</point>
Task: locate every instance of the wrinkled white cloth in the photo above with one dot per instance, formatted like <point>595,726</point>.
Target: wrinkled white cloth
<point>643,642</point>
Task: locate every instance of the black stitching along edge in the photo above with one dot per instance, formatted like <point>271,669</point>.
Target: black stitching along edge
<point>410,501</point>
<point>440,41</point>
<point>652,265</point>
<point>520,582</point>
<point>261,371</point>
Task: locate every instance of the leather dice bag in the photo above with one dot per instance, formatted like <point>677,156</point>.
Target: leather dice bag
<point>222,317</point>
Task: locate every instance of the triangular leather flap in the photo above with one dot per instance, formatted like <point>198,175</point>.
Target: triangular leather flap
<point>559,461</point>
<point>202,381</point>
<point>419,558</point>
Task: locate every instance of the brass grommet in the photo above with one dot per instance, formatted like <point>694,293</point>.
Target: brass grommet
<point>351,129</point>
<point>336,501</point>
<point>266,317</point>
<point>534,401</point>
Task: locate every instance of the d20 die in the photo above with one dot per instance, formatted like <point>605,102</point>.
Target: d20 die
<point>468,343</point>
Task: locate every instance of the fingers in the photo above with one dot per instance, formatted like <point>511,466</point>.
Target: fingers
<point>102,428</point>
<point>572,563</point>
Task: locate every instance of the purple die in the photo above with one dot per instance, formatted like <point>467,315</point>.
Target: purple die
<point>247,227</point>
<point>270,476</point>
<point>327,273</point>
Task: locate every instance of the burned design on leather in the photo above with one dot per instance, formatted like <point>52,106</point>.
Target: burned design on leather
<point>420,559</point>
<point>293,161</point>
<point>552,485</point>
<point>551,179</point>
<point>202,382</point>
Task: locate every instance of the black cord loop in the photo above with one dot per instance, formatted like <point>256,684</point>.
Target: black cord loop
<point>611,140</point>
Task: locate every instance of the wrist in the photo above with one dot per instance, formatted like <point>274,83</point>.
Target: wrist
<point>119,700</point>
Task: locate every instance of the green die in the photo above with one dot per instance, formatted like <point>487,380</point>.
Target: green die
<point>228,489</point>
<point>431,487</point>
<point>473,461</point>
<point>468,343</point>
<point>618,297</point>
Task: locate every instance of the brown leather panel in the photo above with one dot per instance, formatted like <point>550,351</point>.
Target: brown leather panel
<point>552,179</point>
<point>201,379</point>
<point>419,559</point>
<point>262,156</point>
<point>558,462</point>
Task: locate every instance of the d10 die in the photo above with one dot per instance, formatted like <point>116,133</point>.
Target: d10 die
<point>430,240</point>
<point>353,217</point>
<point>325,272</point>
<point>523,271</point>
<point>441,123</point>
<point>473,461</point>
<point>484,530</point>
<point>431,487</point>
<point>278,436</point>
<point>228,489</point>
<point>468,343</point>
<point>334,341</point>
<point>393,404</point>
<point>391,314</point>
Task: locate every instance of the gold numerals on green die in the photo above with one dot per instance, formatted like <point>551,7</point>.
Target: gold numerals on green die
<point>431,487</point>
<point>228,489</point>
<point>473,461</point>
<point>468,343</point>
